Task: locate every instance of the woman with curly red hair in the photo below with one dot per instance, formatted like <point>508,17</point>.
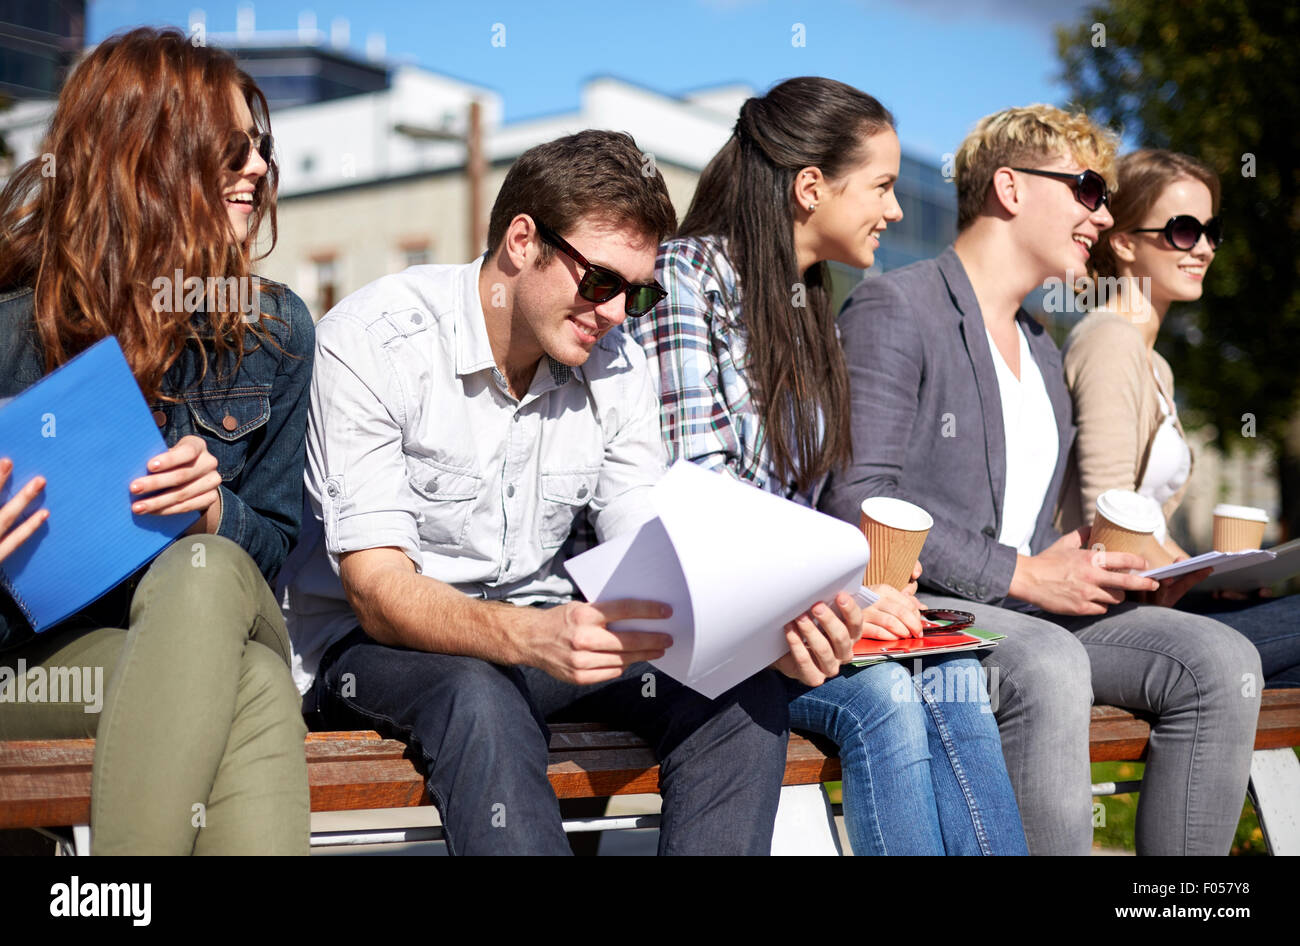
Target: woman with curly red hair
<point>162,171</point>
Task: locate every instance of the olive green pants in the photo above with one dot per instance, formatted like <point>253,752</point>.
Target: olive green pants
<point>198,726</point>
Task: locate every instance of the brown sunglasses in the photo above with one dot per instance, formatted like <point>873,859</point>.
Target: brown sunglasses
<point>241,142</point>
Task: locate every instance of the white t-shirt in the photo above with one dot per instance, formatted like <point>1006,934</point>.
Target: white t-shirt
<point>1168,465</point>
<point>1031,442</point>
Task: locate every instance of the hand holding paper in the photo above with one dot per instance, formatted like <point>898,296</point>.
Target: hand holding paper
<point>573,642</point>
<point>735,563</point>
<point>821,639</point>
<point>1172,589</point>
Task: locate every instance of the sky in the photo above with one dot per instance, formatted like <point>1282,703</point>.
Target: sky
<point>936,64</point>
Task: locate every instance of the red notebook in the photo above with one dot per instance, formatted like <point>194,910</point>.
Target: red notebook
<point>935,641</point>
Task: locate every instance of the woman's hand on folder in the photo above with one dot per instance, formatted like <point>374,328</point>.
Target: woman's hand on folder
<point>10,536</point>
<point>184,479</point>
<point>896,615</point>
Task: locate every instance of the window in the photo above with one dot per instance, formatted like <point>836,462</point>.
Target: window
<point>414,252</point>
<point>326,279</point>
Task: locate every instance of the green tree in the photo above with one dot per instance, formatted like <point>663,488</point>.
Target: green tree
<point>1219,80</point>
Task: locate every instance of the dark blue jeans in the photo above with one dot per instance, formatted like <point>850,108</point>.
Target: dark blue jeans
<point>480,733</point>
<point>1271,624</point>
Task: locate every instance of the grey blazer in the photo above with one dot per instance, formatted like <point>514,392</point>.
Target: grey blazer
<point>927,421</point>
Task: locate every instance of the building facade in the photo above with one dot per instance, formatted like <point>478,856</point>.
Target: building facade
<point>39,42</point>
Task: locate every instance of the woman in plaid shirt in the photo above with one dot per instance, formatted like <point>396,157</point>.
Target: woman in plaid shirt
<point>760,390</point>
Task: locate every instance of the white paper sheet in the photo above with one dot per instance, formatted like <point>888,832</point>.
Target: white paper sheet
<point>1285,564</point>
<point>1222,563</point>
<point>736,563</point>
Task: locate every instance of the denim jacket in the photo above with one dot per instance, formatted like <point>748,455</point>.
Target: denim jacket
<point>254,423</point>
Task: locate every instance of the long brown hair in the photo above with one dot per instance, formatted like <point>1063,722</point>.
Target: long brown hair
<point>128,191</point>
<point>794,363</point>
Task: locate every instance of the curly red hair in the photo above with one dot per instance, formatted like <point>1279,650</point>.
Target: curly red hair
<point>139,145</point>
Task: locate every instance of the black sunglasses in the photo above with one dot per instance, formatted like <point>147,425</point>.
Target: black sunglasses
<point>241,142</point>
<point>957,620</point>
<point>599,284</point>
<point>1089,186</point>
<point>1184,231</point>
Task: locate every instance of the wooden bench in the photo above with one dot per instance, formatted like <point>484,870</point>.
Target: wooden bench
<point>46,784</point>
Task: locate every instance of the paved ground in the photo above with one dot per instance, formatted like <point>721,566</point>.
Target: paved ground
<point>633,843</point>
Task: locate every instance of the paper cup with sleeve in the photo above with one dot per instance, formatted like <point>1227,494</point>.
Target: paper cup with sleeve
<point>895,531</point>
<point>1238,528</point>
<point>1127,522</point>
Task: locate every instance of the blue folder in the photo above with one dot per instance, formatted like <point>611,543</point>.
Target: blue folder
<point>86,428</point>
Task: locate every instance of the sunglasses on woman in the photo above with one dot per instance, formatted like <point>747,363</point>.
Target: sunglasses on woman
<point>1089,186</point>
<point>599,284</point>
<point>1184,231</point>
<point>240,144</point>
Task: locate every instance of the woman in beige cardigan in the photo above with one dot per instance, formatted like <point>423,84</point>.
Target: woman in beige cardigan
<point>1157,253</point>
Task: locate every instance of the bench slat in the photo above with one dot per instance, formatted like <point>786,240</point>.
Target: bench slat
<point>350,786</point>
<point>46,783</point>
<point>586,774</point>
<point>1279,719</point>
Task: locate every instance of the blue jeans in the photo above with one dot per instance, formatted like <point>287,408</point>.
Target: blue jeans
<point>922,762</point>
<point>1272,625</point>
<point>478,731</point>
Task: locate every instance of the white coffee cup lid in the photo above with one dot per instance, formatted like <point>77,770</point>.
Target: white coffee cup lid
<point>1253,513</point>
<point>897,513</point>
<point>1128,510</point>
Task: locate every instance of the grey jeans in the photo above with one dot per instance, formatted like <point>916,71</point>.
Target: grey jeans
<point>1199,678</point>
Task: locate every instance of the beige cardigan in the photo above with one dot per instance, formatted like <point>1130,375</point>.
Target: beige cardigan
<point>1117,411</point>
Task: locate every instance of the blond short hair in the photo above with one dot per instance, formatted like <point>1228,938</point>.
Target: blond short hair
<point>1018,137</point>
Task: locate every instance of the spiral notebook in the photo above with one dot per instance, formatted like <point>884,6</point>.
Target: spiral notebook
<point>86,428</point>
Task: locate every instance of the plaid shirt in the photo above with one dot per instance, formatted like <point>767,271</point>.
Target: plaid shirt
<point>695,345</point>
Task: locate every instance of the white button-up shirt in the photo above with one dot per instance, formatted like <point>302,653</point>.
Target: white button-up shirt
<point>415,442</point>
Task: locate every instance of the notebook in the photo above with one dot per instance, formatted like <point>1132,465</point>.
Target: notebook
<point>86,428</point>
<point>1284,564</point>
<point>868,651</point>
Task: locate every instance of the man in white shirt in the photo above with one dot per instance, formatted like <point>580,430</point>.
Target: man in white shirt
<point>960,406</point>
<point>462,418</point>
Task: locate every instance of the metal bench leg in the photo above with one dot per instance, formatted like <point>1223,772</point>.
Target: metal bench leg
<point>1275,792</point>
<point>805,824</point>
<point>77,846</point>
